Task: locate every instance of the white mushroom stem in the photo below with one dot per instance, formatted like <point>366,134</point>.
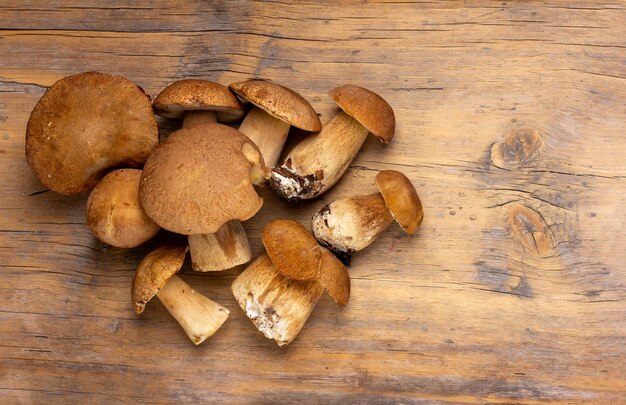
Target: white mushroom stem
<point>267,132</point>
<point>199,316</point>
<point>195,117</point>
<point>278,306</point>
<point>226,248</point>
<point>351,224</point>
<point>316,163</point>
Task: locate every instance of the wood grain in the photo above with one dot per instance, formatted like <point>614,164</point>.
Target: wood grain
<point>511,119</point>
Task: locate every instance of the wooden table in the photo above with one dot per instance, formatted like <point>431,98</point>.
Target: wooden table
<point>511,120</point>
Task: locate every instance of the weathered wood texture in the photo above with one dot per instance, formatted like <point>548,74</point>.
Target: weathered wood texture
<point>511,120</point>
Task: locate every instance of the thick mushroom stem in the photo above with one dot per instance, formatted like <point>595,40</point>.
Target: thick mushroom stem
<point>199,316</point>
<point>315,164</point>
<point>267,132</point>
<point>195,117</point>
<point>351,224</point>
<point>226,248</point>
<point>277,305</point>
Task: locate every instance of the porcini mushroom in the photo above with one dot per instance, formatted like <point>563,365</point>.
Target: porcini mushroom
<point>316,163</point>
<point>85,125</point>
<point>351,224</point>
<point>199,180</point>
<point>156,275</point>
<point>279,290</point>
<point>276,109</point>
<point>114,213</point>
<point>198,101</point>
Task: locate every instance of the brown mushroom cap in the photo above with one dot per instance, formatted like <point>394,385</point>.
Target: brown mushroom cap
<point>401,198</point>
<point>200,178</point>
<point>296,254</point>
<point>367,107</point>
<point>191,94</point>
<point>154,271</point>
<point>86,124</point>
<point>114,213</point>
<point>281,102</point>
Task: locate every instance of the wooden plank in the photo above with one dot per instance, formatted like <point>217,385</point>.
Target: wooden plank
<point>510,122</point>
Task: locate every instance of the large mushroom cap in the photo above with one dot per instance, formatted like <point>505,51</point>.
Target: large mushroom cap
<point>114,213</point>
<point>367,107</point>
<point>200,178</point>
<point>154,271</point>
<point>85,125</point>
<point>281,102</point>
<point>296,254</point>
<point>191,95</point>
<point>401,198</point>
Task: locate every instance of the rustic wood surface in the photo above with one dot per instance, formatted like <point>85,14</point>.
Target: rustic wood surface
<point>511,120</point>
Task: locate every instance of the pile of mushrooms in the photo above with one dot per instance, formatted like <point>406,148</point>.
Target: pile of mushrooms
<point>97,132</point>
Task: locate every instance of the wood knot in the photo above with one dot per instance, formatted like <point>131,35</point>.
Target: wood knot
<point>531,230</point>
<point>519,146</point>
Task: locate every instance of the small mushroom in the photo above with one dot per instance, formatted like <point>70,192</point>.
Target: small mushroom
<point>351,224</point>
<point>197,102</point>
<point>276,109</point>
<point>279,290</point>
<point>85,125</point>
<point>316,163</point>
<point>156,275</point>
<point>200,180</point>
<point>114,213</point>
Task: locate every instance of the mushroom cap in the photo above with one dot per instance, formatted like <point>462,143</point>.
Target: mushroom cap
<point>114,213</point>
<point>281,102</point>
<point>401,198</point>
<point>192,94</point>
<point>86,124</point>
<point>367,107</point>
<point>200,178</point>
<point>296,254</point>
<point>154,271</point>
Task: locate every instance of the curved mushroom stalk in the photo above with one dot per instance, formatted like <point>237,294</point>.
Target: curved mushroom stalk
<point>315,164</point>
<point>278,306</point>
<point>267,132</point>
<point>351,224</point>
<point>199,316</point>
<point>199,117</point>
<point>222,250</point>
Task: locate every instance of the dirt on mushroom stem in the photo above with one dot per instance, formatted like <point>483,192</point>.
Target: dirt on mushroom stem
<point>277,305</point>
<point>317,162</point>
<point>351,224</point>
